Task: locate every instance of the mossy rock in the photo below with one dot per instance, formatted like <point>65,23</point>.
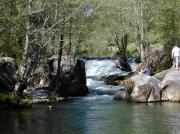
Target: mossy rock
<point>129,86</point>
<point>25,103</point>
<point>10,100</point>
<point>159,59</point>
<point>54,99</point>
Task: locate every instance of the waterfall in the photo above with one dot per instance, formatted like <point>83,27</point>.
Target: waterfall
<point>99,68</point>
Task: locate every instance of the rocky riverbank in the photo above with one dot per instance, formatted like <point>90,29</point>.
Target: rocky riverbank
<point>45,86</point>
<point>164,86</point>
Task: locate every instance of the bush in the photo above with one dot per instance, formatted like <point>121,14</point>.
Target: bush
<point>11,100</point>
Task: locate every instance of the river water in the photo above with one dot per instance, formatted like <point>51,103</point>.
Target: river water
<point>96,113</point>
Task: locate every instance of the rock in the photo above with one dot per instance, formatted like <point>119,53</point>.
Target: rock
<point>164,86</point>
<point>160,76</point>
<point>120,95</point>
<point>43,96</point>
<point>158,59</point>
<point>138,59</point>
<point>42,76</point>
<point>7,74</point>
<point>50,107</point>
<point>38,96</point>
<point>9,100</point>
<point>141,93</point>
<point>115,79</point>
<point>171,86</point>
<point>111,79</point>
<point>72,79</point>
<point>142,88</point>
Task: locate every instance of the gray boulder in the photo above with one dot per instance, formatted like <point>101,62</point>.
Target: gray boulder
<point>141,88</point>
<point>160,76</point>
<point>147,89</point>
<point>171,86</point>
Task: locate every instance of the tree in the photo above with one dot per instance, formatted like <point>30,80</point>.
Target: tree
<point>168,23</point>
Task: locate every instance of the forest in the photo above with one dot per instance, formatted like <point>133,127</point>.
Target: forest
<point>86,28</point>
<point>89,66</point>
<point>32,31</point>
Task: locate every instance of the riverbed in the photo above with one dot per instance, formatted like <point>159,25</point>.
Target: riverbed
<point>97,113</point>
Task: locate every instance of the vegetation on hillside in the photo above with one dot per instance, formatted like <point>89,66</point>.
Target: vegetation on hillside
<point>33,29</point>
<point>86,27</point>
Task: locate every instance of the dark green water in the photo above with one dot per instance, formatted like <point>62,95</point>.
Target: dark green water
<point>93,115</point>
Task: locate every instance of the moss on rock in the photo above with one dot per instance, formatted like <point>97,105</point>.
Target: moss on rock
<point>129,86</point>
<point>11,100</point>
<point>54,99</point>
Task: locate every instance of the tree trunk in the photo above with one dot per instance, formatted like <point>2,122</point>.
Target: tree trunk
<point>122,46</point>
<point>70,37</point>
<point>123,59</point>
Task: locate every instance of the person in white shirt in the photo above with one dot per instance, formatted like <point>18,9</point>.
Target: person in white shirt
<point>176,56</point>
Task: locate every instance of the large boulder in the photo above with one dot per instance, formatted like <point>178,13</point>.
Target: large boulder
<point>141,88</point>
<point>159,59</point>
<point>171,86</point>
<point>7,74</point>
<point>160,76</point>
<point>72,79</point>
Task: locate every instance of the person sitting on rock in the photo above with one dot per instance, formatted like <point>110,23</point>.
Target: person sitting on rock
<point>145,70</point>
<point>176,56</point>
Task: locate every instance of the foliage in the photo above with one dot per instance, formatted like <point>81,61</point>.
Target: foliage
<point>53,99</point>
<point>87,27</point>
<point>10,100</point>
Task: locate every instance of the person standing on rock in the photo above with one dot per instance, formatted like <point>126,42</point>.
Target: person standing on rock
<point>176,56</point>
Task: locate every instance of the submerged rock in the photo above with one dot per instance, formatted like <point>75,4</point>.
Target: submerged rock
<point>50,107</point>
<point>120,95</point>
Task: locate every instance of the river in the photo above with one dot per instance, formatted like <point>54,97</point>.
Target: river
<point>96,113</point>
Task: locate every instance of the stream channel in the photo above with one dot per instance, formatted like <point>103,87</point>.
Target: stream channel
<point>97,113</point>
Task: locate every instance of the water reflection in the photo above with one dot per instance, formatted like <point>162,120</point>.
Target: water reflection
<point>104,116</point>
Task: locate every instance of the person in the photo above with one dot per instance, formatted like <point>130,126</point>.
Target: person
<point>145,70</point>
<point>174,62</point>
<point>176,56</point>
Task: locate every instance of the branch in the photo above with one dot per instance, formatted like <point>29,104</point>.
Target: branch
<point>66,19</point>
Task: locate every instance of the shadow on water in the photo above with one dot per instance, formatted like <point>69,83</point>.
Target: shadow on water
<point>104,116</point>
